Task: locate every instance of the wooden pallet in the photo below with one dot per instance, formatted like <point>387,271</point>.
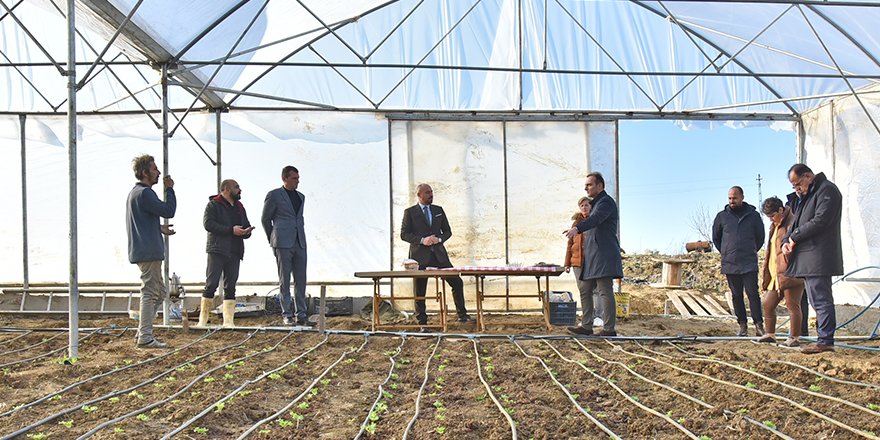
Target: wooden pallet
<point>695,304</point>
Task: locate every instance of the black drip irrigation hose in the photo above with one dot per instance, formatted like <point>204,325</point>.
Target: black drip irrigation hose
<point>70,387</point>
<point>182,390</point>
<point>198,416</point>
<point>47,354</point>
<point>595,421</point>
<point>381,389</point>
<point>294,401</point>
<point>422,389</point>
<point>45,340</point>
<point>19,336</point>
<point>119,393</point>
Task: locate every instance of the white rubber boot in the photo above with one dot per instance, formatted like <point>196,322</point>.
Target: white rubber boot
<point>204,310</point>
<point>229,313</point>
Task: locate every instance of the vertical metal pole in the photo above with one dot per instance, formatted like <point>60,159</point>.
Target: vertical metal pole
<point>219,141</point>
<point>73,298</point>
<point>520,23</point>
<point>800,140</point>
<point>24,211</point>
<point>390,212</point>
<point>506,215</point>
<point>166,305</point>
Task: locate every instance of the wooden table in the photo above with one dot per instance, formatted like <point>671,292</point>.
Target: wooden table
<point>439,294</point>
<point>480,274</point>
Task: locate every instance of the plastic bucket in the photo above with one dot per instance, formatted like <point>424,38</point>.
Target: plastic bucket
<point>622,299</point>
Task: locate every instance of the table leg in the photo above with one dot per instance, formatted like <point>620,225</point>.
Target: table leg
<point>443,311</point>
<point>546,300</point>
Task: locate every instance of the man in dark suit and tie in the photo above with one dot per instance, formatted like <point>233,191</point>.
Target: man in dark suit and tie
<point>284,225</point>
<point>426,228</point>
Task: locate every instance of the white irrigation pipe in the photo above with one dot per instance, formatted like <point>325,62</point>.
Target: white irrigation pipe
<point>19,336</point>
<point>492,395</point>
<point>791,387</point>
<point>381,389</point>
<point>182,390</point>
<point>308,389</point>
<point>234,392</point>
<point>682,394</point>
<point>422,389</point>
<point>580,408</point>
<point>764,393</point>
<point>112,394</point>
<point>833,379</point>
<point>119,370</point>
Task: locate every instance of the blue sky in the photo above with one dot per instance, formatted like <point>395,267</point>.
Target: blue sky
<point>667,174</point>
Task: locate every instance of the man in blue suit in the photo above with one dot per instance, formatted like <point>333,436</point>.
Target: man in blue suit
<point>284,225</point>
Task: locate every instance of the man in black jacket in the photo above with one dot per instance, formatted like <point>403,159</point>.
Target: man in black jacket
<point>227,224</point>
<point>813,243</point>
<point>738,233</point>
<point>425,227</point>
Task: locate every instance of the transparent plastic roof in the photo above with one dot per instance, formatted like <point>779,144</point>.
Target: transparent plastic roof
<point>600,56</point>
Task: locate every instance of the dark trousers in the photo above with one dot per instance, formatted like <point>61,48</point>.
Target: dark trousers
<point>819,291</point>
<point>292,261</point>
<point>749,282</point>
<point>421,285</point>
<point>218,266</point>
<point>805,312</point>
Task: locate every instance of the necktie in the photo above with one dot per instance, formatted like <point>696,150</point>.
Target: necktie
<point>427,215</point>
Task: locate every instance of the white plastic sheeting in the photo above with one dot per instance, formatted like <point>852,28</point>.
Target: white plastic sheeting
<point>343,160</point>
<point>843,143</point>
<point>575,55</point>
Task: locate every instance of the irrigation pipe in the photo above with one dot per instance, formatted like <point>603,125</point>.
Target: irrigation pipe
<point>117,393</point>
<point>32,346</point>
<point>580,408</point>
<point>763,393</point>
<point>381,388</point>
<point>182,390</point>
<point>492,395</point>
<point>422,389</point>
<point>19,336</point>
<point>245,384</point>
<point>673,390</point>
<point>68,388</point>
<point>791,387</point>
<point>833,379</point>
<point>49,353</point>
<point>308,389</point>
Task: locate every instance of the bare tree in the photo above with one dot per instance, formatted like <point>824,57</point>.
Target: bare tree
<point>700,221</point>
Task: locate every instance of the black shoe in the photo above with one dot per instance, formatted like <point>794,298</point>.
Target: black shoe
<point>288,321</point>
<point>305,322</point>
<point>425,330</point>
<point>580,331</point>
<point>466,319</point>
<point>606,333</point>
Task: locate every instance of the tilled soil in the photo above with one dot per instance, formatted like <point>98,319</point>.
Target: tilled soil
<point>271,384</point>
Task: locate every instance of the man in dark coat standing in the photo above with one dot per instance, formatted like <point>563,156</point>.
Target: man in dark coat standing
<point>738,233</point>
<point>425,227</point>
<point>814,248</point>
<point>227,224</point>
<point>602,263</point>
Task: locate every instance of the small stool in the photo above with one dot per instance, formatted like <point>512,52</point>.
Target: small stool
<point>671,273</point>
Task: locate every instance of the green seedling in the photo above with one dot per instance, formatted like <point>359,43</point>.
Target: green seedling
<point>227,376</point>
<point>387,395</point>
<point>114,399</point>
<point>874,407</point>
<point>438,404</point>
<point>371,428</point>
<point>815,387</point>
<point>469,356</point>
<point>195,393</point>
<point>382,406</point>
<point>314,391</point>
<point>303,405</point>
<point>244,393</point>
<point>440,429</point>
<point>170,378</point>
<point>482,397</point>
<point>118,430</point>
<point>209,379</point>
<point>742,411</point>
<point>325,382</point>
<point>575,396</point>
<point>296,416</point>
<point>770,424</point>
<point>155,411</point>
<point>394,386</point>
<point>820,379</point>
<point>490,376</point>
<point>58,397</point>
<point>38,436</point>
<point>220,406</point>
<point>705,437</point>
<point>349,360</point>
<point>66,424</point>
<point>373,416</point>
<point>751,385</point>
<point>274,376</point>
<point>89,409</point>
<point>143,417</point>
<point>681,420</point>
<point>200,430</point>
<point>158,385</point>
<point>230,367</point>
<point>265,431</point>
<point>441,368</point>
<point>333,374</point>
<point>284,423</point>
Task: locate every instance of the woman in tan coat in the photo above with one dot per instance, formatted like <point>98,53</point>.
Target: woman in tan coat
<point>574,259</point>
<point>777,285</point>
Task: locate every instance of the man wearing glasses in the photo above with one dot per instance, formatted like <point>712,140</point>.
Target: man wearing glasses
<point>814,248</point>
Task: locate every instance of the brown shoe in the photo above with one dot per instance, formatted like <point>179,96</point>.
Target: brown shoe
<point>743,329</point>
<point>768,339</point>
<point>816,348</point>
